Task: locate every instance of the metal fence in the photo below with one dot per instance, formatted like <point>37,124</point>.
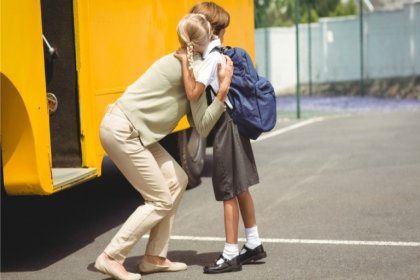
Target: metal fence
<point>375,53</point>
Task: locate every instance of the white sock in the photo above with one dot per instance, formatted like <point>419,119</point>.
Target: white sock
<point>252,238</point>
<point>230,251</point>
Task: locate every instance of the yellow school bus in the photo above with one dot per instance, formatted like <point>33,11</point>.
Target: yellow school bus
<point>64,61</point>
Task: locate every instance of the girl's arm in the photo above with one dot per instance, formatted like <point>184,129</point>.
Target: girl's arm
<point>193,89</point>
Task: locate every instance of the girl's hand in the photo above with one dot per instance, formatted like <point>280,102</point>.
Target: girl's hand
<point>181,54</point>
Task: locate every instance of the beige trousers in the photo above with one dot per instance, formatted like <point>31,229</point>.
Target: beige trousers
<point>154,174</point>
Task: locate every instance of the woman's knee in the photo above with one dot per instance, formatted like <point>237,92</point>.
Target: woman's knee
<point>164,205</point>
<point>179,181</point>
<point>183,179</point>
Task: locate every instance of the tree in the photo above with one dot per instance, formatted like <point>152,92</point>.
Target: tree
<point>281,12</point>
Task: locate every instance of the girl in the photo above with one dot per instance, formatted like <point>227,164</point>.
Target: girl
<point>234,164</point>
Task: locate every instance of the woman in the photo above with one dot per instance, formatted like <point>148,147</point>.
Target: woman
<point>147,111</point>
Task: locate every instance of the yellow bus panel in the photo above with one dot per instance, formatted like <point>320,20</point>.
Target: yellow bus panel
<point>115,42</point>
<point>25,125</point>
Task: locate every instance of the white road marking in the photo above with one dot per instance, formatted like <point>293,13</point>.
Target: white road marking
<point>288,128</point>
<point>302,241</point>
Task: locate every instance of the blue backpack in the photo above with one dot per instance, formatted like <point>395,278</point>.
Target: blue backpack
<point>253,98</point>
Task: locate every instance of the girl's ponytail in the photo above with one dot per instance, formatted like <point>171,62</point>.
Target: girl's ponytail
<point>190,55</point>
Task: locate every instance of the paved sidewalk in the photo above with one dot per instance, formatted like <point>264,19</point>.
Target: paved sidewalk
<point>331,105</point>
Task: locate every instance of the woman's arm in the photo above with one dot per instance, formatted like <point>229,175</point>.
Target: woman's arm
<point>224,73</point>
<point>193,89</point>
<point>204,117</point>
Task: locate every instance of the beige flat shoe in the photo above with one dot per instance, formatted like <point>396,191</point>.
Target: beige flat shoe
<point>146,267</point>
<point>103,266</point>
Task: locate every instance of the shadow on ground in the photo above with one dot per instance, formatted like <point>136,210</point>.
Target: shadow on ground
<point>189,257</point>
<point>38,231</point>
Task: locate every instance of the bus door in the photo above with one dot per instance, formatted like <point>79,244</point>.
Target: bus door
<point>62,92</point>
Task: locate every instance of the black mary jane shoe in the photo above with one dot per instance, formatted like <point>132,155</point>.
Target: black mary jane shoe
<point>251,255</point>
<point>225,266</point>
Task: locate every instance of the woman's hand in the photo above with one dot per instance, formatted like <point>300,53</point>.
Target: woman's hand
<point>224,73</point>
<point>181,54</point>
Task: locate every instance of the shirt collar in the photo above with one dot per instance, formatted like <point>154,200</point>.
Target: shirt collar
<point>211,46</point>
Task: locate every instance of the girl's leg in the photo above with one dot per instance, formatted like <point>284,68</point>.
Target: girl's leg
<point>231,217</point>
<point>246,205</point>
<point>229,260</point>
<point>253,249</point>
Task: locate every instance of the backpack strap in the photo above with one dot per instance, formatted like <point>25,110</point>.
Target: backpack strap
<point>210,94</point>
<point>217,49</point>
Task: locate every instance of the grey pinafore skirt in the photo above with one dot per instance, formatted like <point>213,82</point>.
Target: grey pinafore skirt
<point>234,168</point>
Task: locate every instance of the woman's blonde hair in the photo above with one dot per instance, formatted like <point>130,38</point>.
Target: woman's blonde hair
<point>218,17</point>
<point>193,31</point>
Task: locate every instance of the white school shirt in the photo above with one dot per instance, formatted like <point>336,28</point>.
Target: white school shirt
<point>207,71</point>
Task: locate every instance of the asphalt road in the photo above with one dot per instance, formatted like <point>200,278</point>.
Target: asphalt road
<point>339,198</point>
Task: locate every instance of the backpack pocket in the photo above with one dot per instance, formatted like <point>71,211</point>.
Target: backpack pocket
<point>267,106</point>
